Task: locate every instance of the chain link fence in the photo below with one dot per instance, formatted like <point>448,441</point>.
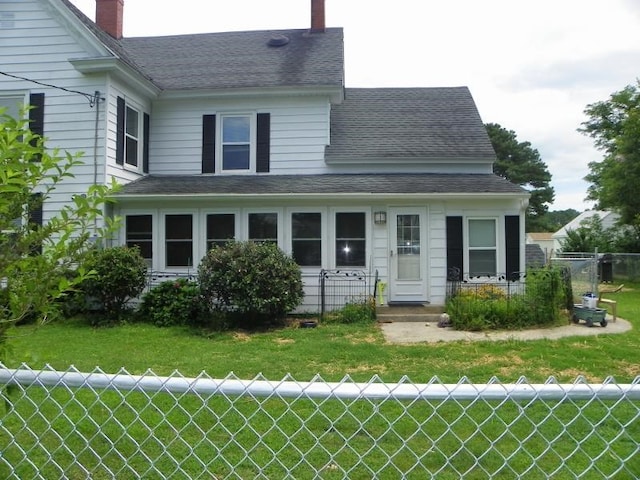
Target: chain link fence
<point>95,425</point>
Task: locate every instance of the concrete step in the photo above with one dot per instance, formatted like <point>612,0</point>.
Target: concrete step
<point>409,313</point>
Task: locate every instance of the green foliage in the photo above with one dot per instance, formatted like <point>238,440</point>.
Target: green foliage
<point>35,259</point>
<point>119,275</point>
<point>174,302</point>
<point>257,282</point>
<point>354,311</point>
<point>614,124</point>
<point>488,306</point>
<point>552,221</point>
<point>520,163</point>
<point>591,235</point>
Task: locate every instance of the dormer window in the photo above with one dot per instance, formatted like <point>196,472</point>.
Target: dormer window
<point>236,143</point>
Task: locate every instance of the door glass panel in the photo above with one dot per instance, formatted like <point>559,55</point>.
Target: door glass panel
<point>408,247</point>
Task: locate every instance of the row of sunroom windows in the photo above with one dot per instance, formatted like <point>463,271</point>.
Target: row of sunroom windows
<point>306,236</point>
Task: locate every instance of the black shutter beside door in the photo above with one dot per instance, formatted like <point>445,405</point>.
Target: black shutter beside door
<point>455,251</point>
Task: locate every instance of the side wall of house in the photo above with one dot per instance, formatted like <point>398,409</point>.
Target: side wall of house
<point>37,43</point>
<point>299,133</point>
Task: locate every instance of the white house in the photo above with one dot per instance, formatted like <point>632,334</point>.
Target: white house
<point>254,136</point>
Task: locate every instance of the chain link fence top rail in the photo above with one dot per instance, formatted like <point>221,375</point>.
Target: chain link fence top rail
<point>69,424</point>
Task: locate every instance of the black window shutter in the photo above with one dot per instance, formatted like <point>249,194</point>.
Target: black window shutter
<point>36,117</point>
<point>455,251</point>
<point>145,143</point>
<point>208,143</point>
<point>263,138</point>
<point>512,245</point>
<point>34,219</point>
<point>120,113</point>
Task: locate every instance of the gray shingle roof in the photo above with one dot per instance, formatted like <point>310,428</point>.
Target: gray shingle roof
<point>430,123</point>
<point>231,59</point>
<point>240,59</point>
<point>364,184</point>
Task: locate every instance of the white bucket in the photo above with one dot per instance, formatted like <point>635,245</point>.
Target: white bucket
<point>590,301</point>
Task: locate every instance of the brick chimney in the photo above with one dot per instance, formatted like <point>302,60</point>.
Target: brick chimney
<point>317,16</point>
<point>109,15</point>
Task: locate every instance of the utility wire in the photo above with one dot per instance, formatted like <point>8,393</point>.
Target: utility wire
<point>91,98</point>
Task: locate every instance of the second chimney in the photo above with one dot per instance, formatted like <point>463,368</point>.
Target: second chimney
<point>317,16</point>
<point>109,15</point>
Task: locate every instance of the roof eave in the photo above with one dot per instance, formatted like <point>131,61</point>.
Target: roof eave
<point>343,160</point>
<point>117,67</point>
<point>334,92</point>
<point>523,196</point>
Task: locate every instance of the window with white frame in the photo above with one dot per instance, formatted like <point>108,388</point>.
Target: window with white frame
<point>236,142</point>
<point>263,227</point>
<point>221,228</point>
<point>139,233</point>
<point>132,136</point>
<point>11,104</point>
<point>306,238</point>
<point>178,240</point>
<point>351,241</point>
<point>482,247</point>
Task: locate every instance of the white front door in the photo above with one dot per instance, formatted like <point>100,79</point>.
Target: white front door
<point>407,255</point>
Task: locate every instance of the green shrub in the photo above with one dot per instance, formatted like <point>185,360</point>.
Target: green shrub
<point>354,311</point>
<point>488,307</point>
<point>174,302</point>
<point>119,275</point>
<point>255,283</point>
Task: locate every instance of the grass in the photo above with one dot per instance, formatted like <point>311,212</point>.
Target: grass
<point>332,351</point>
<point>120,435</point>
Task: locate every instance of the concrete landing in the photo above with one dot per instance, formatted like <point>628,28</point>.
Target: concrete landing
<point>402,313</point>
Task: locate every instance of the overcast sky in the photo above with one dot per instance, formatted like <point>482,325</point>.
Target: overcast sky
<point>531,66</point>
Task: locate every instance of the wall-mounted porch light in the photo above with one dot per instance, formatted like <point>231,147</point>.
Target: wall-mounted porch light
<point>379,218</point>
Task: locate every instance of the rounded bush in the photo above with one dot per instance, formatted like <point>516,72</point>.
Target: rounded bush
<point>119,275</point>
<point>174,302</point>
<point>256,281</point>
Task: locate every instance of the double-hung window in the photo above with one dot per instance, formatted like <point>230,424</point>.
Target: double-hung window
<point>139,233</point>
<point>236,143</point>
<point>482,247</point>
<point>11,104</point>
<point>132,136</point>
<point>351,242</point>
<point>221,228</point>
<point>178,240</point>
<point>306,238</point>
<point>263,227</point>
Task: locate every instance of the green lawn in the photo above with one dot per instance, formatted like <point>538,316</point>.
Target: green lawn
<point>331,351</point>
<point>108,434</point>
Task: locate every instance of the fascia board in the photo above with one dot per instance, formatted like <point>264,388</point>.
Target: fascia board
<point>409,160</point>
<point>335,94</point>
<point>319,196</point>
